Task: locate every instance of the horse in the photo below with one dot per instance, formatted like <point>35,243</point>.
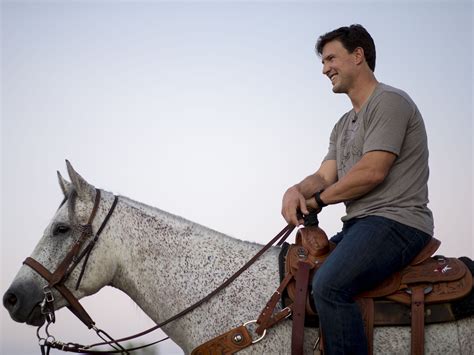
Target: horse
<point>165,263</point>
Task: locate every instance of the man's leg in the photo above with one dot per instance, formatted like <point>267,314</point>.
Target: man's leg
<point>368,251</point>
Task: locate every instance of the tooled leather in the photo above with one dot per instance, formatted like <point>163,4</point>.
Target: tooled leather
<point>225,344</point>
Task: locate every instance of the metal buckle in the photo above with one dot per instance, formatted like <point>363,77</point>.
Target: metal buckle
<point>261,337</point>
<point>289,311</point>
<point>48,295</point>
<point>47,305</point>
<point>316,343</point>
<point>426,290</point>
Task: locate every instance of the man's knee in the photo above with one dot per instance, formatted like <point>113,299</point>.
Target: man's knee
<point>330,289</point>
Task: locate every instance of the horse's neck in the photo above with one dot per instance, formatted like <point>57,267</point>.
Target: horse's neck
<point>168,263</point>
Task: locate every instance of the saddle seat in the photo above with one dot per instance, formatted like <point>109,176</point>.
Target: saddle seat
<point>425,280</point>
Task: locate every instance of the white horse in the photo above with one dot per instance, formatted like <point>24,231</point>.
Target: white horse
<point>165,263</point>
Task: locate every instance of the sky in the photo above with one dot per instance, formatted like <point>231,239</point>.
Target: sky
<point>209,110</point>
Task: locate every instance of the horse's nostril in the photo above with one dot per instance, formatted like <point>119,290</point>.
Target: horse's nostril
<point>9,300</point>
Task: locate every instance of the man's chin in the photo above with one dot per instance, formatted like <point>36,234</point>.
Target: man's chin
<point>337,89</point>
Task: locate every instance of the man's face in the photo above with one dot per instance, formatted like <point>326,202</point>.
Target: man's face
<point>339,66</point>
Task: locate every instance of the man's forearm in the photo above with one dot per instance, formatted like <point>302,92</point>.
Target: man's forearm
<point>352,186</point>
<point>366,175</point>
<point>308,186</point>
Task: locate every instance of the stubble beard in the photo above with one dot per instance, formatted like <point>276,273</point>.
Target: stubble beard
<point>339,87</point>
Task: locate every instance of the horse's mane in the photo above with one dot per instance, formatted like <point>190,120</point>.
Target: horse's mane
<point>177,220</point>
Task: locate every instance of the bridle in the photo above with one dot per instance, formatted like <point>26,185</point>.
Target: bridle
<point>58,278</point>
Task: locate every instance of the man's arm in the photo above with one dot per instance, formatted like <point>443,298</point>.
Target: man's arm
<point>365,175</point>
<point>295,197</point>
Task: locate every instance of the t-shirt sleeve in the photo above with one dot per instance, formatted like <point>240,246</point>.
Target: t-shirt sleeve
<point>387,124</point>
<point>331,155</point>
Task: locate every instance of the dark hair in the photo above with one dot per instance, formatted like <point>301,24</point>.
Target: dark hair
<point>351,38</point>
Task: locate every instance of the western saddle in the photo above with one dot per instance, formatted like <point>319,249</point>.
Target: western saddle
<point>398,300</point>
<point>426,280</point>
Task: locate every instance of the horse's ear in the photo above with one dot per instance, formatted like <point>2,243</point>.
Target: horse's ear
<point>65,185</point>
<point>85,191</point>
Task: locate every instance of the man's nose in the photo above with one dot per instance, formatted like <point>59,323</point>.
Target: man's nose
<point>326,69</point>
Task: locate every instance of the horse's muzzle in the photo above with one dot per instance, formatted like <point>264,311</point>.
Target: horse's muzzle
<point>22,302</point>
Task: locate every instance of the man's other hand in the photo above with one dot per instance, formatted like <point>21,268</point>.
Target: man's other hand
<point>293,201</point>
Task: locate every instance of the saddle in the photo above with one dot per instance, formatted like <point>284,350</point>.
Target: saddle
<point>427,280</point>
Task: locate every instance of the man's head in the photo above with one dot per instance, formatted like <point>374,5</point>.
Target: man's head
<point>346,52</point>
<point>351,37</point>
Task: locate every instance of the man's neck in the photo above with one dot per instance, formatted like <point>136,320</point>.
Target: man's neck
<point>361,92</point>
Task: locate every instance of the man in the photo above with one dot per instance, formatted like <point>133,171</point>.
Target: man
<point>377,164</point>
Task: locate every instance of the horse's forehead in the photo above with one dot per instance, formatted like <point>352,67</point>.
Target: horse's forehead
<point>79,211</point>
<point>48,243</point>
<point>61,214</point>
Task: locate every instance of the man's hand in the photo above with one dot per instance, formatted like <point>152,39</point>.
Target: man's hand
<point>313,205</point>
<point>293,200</point>
<point>300,196</point>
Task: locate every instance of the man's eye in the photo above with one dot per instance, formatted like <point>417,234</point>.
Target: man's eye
<point>61,229</point>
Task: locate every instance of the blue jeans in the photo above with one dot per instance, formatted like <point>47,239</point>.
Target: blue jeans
<point>368,250</point>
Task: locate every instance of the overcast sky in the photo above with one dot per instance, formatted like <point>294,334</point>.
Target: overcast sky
<point>209,111</point>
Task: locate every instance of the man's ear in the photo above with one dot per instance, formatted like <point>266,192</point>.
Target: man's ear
<point>85,191</point>
<point>359,55</point>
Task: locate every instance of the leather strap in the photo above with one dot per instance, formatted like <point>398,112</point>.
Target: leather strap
<point>317,197</point>
<point>74,304</point>
<point>87,251</point>
<point>225,344</point>
<point>266,314</point>
<point>366,306</point>
<point>417,320</point>
<point>59,274</point>
<point>297,336</point>
<point>321,340</point>
<point>276,318</point>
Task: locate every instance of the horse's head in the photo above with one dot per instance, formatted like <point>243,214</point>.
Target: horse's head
<point>68,226</point>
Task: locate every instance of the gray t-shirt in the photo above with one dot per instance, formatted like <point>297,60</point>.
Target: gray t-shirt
<point>388,121</point>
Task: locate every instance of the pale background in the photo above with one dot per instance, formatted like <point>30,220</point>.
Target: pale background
<point>209,111</point>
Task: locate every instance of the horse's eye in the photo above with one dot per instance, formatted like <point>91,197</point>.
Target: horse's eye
<point>61,229</point>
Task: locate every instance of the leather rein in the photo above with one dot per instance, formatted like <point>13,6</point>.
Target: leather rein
<point>58,278</point>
